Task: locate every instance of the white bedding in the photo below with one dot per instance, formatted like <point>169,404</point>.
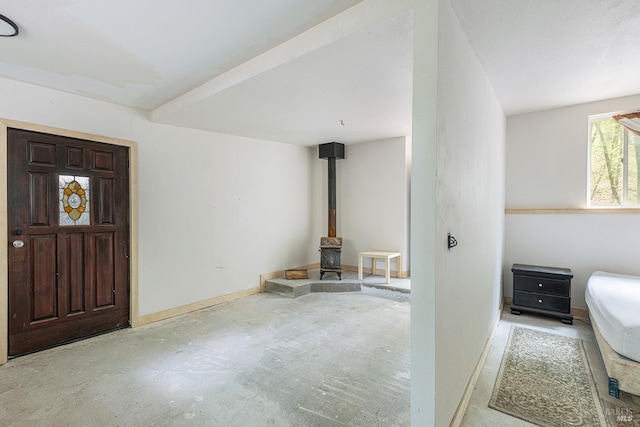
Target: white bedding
<point>614,305</point>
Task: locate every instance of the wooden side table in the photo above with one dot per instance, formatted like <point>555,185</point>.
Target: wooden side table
<point>383,255</point>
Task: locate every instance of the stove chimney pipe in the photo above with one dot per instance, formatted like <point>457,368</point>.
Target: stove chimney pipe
<point>332,151</point>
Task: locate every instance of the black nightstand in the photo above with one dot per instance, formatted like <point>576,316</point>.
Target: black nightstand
<point>542,290</point>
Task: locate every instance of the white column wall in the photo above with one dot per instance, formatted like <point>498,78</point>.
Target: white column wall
<point>215,211</point>
<point>423,215</point>
<point>547,154</point>
<point>470,205</point>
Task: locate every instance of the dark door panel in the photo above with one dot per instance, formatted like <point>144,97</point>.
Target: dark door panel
<point>68,222</point>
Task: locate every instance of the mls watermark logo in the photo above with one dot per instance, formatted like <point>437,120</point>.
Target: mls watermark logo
<point>621,415</point>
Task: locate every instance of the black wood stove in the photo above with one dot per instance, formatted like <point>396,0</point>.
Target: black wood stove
<point>331,246</point>
<point>330,250</point>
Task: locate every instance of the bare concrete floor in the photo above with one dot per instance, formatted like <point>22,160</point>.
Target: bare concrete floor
<point>318,360</point>
<point>323,359</point>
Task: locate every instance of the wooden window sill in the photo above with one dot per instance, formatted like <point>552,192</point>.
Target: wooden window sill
<point>574,211</point>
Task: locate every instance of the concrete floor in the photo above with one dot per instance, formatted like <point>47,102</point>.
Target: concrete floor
<point>319,360</point>
<point>323,359</point>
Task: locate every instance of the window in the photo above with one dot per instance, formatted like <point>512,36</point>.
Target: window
<point>74,200</point>
<point>614,161</point>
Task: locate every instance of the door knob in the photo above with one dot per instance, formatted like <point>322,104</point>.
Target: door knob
<point>18,244</point>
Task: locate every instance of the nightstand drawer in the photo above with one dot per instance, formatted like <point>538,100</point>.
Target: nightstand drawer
<point>542,285</point>
<point>542,301</point>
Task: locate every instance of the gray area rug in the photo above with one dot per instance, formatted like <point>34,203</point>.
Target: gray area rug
<point>545,379</point>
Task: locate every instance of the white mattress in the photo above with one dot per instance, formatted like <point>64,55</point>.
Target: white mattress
<point>614,305</point>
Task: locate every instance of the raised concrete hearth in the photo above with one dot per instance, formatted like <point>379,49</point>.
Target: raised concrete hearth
<point>331,283</point>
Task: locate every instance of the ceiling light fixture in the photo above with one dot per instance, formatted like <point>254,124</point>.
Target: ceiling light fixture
<point>8,28</point>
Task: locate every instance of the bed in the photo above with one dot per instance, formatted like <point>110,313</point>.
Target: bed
<point>614,309</point>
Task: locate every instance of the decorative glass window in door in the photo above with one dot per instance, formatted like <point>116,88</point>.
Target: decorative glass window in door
<point>74,200</point>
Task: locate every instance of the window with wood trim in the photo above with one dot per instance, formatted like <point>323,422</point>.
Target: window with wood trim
<point>614,162</point>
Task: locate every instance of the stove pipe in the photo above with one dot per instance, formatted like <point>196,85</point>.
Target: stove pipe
<point>331,246</point>
<point>332,196</point>
<point>332,151</point>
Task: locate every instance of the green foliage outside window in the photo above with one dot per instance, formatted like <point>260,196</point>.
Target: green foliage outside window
<point>615,161</point>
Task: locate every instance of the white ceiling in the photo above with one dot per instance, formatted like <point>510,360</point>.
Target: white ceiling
<point>542,54</point>
<point>348,80</point>
<point>312,71</point>
<point>143,53</point>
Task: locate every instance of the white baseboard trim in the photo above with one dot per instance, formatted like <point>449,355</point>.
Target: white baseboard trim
<point>456,421</point>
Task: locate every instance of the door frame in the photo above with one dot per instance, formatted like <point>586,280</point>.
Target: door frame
<point>4,249</point>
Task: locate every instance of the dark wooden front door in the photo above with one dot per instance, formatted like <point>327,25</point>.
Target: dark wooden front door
<point>68,216</point>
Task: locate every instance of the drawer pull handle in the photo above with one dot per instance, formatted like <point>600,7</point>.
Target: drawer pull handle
<point>540,301</point>
<point>539,285</point>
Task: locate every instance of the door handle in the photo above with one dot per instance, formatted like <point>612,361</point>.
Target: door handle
<point>18,244</point>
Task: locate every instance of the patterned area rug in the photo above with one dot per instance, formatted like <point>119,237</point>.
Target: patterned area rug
<point>545,379</point>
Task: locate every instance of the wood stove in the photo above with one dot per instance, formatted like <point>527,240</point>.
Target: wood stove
<point>330,251</point>
<point>331,246</point>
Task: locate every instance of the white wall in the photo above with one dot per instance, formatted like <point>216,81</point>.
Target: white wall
<point>547,168</point>
<point>470,204</point>
<point>374,210</point>
<point>582,242</point>
<point>38,105</point>
<point>547,154</point>
<point>372,201</point>
<point>215,211</point>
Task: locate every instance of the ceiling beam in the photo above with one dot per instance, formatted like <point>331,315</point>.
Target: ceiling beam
<point>354,19</point>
